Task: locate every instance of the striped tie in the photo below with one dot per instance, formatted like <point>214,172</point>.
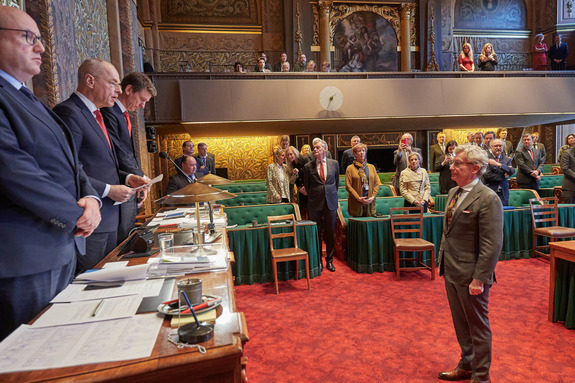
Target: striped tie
<point>452,205</point>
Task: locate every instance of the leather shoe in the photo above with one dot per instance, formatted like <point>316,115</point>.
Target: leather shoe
<point>329,266</point>
<point>456,374</point>
<point>480,381</point>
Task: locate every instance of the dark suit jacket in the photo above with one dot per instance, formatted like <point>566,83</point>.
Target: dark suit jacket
<point>320,194</point>
<point>434,153</point>
<point>400,162</point>
<point>94,152</point>
<point>568,168</point>
<point>560,53</point>
<point>525,165</point>
<point>445,181</point>
<point>124,144</point>
<point>347,159</point>
<point>508,148</point>
<point>40,182</point>
<point>179,181</point>
<point>494,177</point>
<point>210,165</point>
<point>471,244</point>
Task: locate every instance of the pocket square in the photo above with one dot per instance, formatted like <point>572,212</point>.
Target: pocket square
<point>467,212</point>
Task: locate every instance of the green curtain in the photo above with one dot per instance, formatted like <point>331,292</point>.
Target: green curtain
<point>251,248</point>
<point>564,309</point>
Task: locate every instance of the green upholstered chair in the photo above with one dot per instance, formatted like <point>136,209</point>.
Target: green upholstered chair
<point>521,197</point>
<point>245,199</point>
<point>244,187</point>
<point>433,177</point>
<point>244,215</point>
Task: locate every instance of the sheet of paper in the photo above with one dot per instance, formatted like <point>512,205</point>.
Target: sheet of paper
<point>75,292</point>
<point>155,180</point>
<point>131,273</point>
<point>90,311</point>
<point>35,348</point>
<point>115,265</point>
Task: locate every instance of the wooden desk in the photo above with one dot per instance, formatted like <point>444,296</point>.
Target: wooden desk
<point>223,361</point>
<point>562,250</point>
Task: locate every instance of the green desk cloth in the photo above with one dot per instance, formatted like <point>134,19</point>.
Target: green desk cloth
<point>564,309</point>
<point>440,202</point>
<point>253,261</point>
<point>370,244</point>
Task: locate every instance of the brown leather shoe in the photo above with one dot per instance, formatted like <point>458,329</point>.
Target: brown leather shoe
<point>456,374</point>
<point>480,381</point>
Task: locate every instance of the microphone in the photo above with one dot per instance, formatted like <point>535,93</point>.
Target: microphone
<point>164,156</point>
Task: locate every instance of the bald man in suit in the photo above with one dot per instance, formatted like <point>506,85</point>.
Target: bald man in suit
<point>470,247</point>
<point>47,205</point>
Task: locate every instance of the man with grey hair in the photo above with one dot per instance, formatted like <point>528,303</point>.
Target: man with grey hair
<point>436,150</point>
<point>470,247</point>
<point>347,157</point>
<point>321,179</point>
<point>529,161</point>
<point>400,157</point>
<point>470,139</point>
<point>498,171</point>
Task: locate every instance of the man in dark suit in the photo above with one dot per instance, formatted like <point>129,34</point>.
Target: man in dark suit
<point>487,138</point>
<point>204,162</point>
<point>539,146</point>
<point>568,169</point>
<point>470,247</point>
<point>179,181</point>
<point>98,86</point>
<point>558,53</point>
<point>321,179</point>
<point>498,171</point>
<point>436,150</point>
<point>47,205</point>
<point>347,157</point>
<point>507,144</point>
<point>137,90</point>
<point>400,157</point>
<point>529,163</point>
<point>187,150</point>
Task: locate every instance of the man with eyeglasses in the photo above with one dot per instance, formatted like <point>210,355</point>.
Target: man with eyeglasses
<point>98,86</point>
<point>498,171</point>
<point>470,247</point>
<point>47,205</point>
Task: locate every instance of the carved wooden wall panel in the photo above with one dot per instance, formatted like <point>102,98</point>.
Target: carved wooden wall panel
<point>210,11</point>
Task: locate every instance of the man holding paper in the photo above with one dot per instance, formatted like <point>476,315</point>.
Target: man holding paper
<point>137,90</point>
<point>47,205</point>
<point>98,86</point>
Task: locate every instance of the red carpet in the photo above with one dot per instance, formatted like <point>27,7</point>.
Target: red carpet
<point>371,328</point>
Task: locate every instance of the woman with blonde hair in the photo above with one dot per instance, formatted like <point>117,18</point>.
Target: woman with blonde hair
<point>306,151</point>
<point>539,53</point>
<point>414,183</point>
<point>277,179</point>
<point>487,58</point>
<point>466,59</point>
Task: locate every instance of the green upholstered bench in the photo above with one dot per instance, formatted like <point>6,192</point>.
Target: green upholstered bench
<point>548,184</point>
<point>385,178</point>
<point>384,191</point>
<point>433,177</point>
<point>521,197</point>
<point>548,168</point>
<point>383,204</point>
<point>245,199</point>
<point>243,187</point>
<point>434,188</point>
<point>243,215</point>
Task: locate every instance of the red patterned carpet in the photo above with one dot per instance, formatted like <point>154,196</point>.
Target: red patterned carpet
<point>370,328</point>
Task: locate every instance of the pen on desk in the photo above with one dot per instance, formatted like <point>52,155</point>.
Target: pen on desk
<point>97,309</point>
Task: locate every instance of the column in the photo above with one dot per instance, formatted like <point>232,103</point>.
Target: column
<point>405,33</point>
<point>324,32</point>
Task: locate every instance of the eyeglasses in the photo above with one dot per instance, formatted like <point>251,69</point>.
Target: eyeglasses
<point>458,164</point>
<point>31,37</point>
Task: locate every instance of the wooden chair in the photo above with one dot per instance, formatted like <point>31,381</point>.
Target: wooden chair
<point>403,223</point>
<point>287,254</point>
<point>545,223</point>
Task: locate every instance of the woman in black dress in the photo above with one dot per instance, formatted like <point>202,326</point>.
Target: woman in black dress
<point>442,166</point>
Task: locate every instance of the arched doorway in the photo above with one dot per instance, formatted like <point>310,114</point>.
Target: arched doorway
<point>365,42</point>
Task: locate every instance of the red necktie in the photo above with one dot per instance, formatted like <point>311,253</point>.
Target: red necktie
<point>497,159</point>
<point>531,154</point>
<point>128,122</point>
<point>321,171</point>
<point>102,126</point>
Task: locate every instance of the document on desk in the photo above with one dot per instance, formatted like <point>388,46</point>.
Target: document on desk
<point>37,348</point>
<point>76,292</point>
<point>130,273</point>
<point>90,311</point>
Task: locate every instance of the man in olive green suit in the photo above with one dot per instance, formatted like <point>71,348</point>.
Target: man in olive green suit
<point>470,247</point>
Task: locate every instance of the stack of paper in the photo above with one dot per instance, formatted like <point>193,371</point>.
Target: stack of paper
<point>189,259</point>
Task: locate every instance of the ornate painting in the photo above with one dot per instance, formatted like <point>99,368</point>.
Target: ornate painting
<point>365,42</point>
<point>490,14</point>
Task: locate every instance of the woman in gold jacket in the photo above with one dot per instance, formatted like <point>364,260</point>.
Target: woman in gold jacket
<point>362,184</point>
<point>277,179</point>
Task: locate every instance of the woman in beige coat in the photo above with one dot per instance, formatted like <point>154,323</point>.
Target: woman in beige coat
<point>277,179</point>
<point>362,184</point>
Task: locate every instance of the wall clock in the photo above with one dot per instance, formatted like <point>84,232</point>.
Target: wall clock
<point>331,98</point>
